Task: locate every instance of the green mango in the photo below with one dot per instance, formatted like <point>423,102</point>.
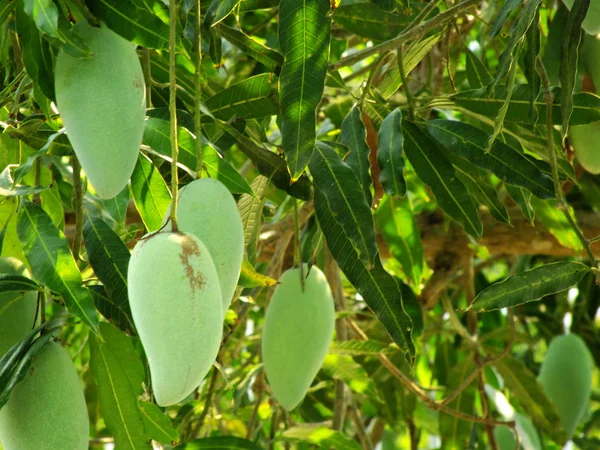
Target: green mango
<point>566,376</point>
<point>47,410</point>
<point>297,332</point>
<point>17,310</point>
<point>584,139</point>
<point>102,102</point>
<point>591,23</point>
<point>176,305</point>
<point>207,210</point>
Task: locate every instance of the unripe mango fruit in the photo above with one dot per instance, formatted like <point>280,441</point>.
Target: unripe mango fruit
<point>584,139</point>
<point>175,300</point>
<point>102,102</point>
<point>17,310</point>
<point>566,376</point>
<point>591,23</point>
<point>297,332</point>
<point>207,210</point>
<point>47,409</point>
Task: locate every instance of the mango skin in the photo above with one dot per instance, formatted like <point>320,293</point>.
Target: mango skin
<point>207,210</point>
<point>297,333</point>
<point>47,409</point>
<point>566,376</point>
<point>584,139</point>
<point>17,319</point>
<point>102,102</point>
<point>591,23</point>
<point>175,300</point>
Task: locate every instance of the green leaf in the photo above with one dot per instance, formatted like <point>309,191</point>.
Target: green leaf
<point>368,20</point>
<point>135,24</point>
<point>270,58</point>
<point>304,38</point>
<point>272,166</point>
<point>51,261</point>
<point>157,424</point>
<point>118,400</point>
<point>250,99</point>
<point>555,220</point>
<point>252,5</point>
<point>508,7</point>
<point>353,135</point>
<point>390,147</point>
<point>523,385</point>
<point>340,186</point>
<point>401,233</point>
<point>508,164</point>
<point>569,53</point>
<point>116,207</point>
<point>11,283</point>
<point>107,307</point>
<point>38,135</point>
<point>378,288</point>
<point>219,10</point>
<point>343,367</point>
<point>454,431</point>
<point>523,198</point>
<point>109,257</point>
<point>219,443</point>
<point>250,207</point>
<point>533,39</point>
<point>478,184</point>
<point>434,169</point>
<point>6,7</point>
<point>320,435</point>
<point>150,193</point>
<point>249,277</point>
<point>357,348</point>
<point>37,56</point>
<point>586,106</point>
<point>217,167</point>
<point>529,286</point>
<point>45,15</point>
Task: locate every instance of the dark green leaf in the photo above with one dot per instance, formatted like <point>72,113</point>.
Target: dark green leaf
<point>378,288</point>
<point>368,20</point>
<point>508,164</point>
<point>150,193</point>
<point>261,53</point>
<point>401,233</point>
<point>390,148</point>
<point>117,206</point>
<point>508,7</point>
<point>51,261</point>
<point>6,7</point>
<point>11,283</point>
<point>250,207</point>
<point>157,424</point>
<point>354,135</point>
<point>523,385</point>
<point>110,310</point>
<point>38,135</point>
<point>477,74</point>
<point>249,99</point>
<point>219,10</point>
<point>569,53</point>
<point>340,186</point>
<point>304,39</point>
<point>530,285</point>
<point>523,199</point>
<point>434,169</point>
<point>219,443</point>
<point>586,106</point>
<point>217,167</point>
<point>109,257</point>
<point>533,39</point>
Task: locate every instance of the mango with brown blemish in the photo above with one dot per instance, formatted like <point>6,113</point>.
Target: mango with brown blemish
<point>297,332</point>
<point>207,210</point>
<point>175,299</point>
<point>17,309</point>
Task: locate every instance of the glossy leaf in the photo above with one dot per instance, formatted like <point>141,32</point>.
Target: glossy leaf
<point>353,135</point>
<point>11,283</point>
<point>304,40</point>
<point>523,198</point>
<point>150,193</point>
<point>434,169</point>
<point>530,285</point>
<point>586,106</point>
<point>508,164</point>
<point>109,257</point>
<point>109,309</point>
<point>524,386</point>
<point>344,368</point>
<point>390,149</point>
<point>250,207</point>
<point>339,185</point>
<point>157,424</point>
<point>555,220</point>
<point>270,58</point>
<point>45,15</point>
<point>219,10</point>
<point>378,288</point>
<point>249,99</point>
<point>51,261</point>
<point>401,233</point>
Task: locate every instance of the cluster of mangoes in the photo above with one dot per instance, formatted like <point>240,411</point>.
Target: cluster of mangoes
<point>47,410</point>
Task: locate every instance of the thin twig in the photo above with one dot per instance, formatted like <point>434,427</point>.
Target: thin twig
<point>91,19</point>
<point>374,68</point>
<point>198,96</point>
<point>409,97</point>
<point>78,206</point>
<point>207,402</point>
<point>360,427</point>
<point>173,110</point>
